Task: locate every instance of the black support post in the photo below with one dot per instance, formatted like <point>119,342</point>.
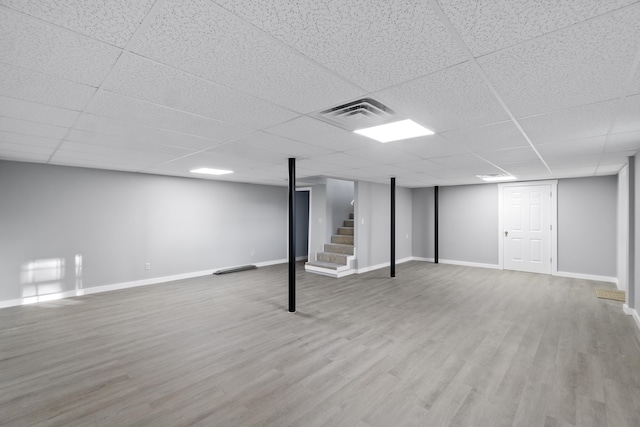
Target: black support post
<point>292,235</point>
<point>393,227</point>
<point>435,231</point>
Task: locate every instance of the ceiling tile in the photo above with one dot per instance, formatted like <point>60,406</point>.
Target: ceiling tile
<point>32,44</point>
<point>22,148</point>
<point>450,99</point>
<point>123,142</point>
<point>215,161</point>
<point>247,150</point>
<point>613,169</point>
<point>635,84</point>
<point>31,111</point>
<point>420,166</point>
<point>510,155</point>
<point>345,160</point>
<point>628,119</point>
<point>37,87</point>
<point>464,174</point>
<point>383,154</point>
<point>406,41</point>
<point>315,166</point>
<point>489,25</point>
<point>122,130</point>
<point>115,106</point>
<point>115,153</point>
<point>147,80</point>
<point>568,162</point>
<point>316,132</point>
<point>16,156</point>
<point>528,170</point>
<point>201,38</point>
<point>27,140</point>
<point>70,158</point>
<point>113,22</point>
<point>580,122</point>
<point>575,147</point>
<point>488,138</point>
<point>30,128</point>
<point>108,160</point>
<point>377,173</point>
<point>628,141</point>
<point>277,144</point>
<point>574,172</point>
<point>429,146</point>
<point>461,161</point>
<point>584,63</point>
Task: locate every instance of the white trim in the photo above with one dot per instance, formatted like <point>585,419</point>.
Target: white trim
<point>265,263</point>
<point>422,259</point>
<point>633,313</point>
<point>337,273</point>
<point>587,277</point>
<point>383,265</point>
<point>470,264</point>
<point>123,285</point>
<point>623,228</point>
<point>553,220</point>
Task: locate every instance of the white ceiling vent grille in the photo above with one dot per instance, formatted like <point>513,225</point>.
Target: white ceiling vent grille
<point>358,114</point>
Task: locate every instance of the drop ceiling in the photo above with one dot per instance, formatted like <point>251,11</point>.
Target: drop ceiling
<point>535,89</point>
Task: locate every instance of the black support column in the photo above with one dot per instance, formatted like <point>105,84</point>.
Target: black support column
<point>435,232</point>
<point>292,235</point>
<point>393,228</point>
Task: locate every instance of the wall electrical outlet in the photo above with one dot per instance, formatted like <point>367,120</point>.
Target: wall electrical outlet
<point>147,266</point>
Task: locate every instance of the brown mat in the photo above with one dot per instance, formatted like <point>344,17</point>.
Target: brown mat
<point>609,294</point>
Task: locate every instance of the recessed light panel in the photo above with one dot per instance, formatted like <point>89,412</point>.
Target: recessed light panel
<point>404,129</point>
<point>209,171</point>
<point>497,177</point>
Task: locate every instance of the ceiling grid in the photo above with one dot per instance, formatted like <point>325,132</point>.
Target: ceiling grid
<point>533,89</point>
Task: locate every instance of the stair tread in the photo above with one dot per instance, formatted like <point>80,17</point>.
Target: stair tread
<point>325,264</point>
<point>340,244</point>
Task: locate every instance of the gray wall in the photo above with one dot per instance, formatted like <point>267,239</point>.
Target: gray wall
<point>117,221</point>
<point>587,225</point>
<point>372,238</point>
<point>302,223</point>
<point>423,223</point>
<point>317,219</point>
<point>339,196</point>
<point>634,278</point>
<point>468,223</point>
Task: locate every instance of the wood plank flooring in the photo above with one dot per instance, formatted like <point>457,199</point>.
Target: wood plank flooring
<point>439,345</point>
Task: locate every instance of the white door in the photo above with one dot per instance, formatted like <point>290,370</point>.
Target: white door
<point>527,228</point>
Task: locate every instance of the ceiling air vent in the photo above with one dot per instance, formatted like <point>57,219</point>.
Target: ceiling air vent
<point>358,114</point>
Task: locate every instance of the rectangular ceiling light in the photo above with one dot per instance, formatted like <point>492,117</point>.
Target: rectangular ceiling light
<point>497,177</point>
<point>404,129</point>
<point>209,171</point>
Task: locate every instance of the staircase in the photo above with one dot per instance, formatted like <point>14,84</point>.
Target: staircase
<point>337,258</point>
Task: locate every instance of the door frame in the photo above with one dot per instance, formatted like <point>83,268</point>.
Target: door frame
<point>554,220</point>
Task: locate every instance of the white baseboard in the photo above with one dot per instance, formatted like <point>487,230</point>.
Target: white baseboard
<point>417,258</point>
<point>383,265</point>
<point>633,313</point>
<point>123,285</point>
<point>587,277</point>
<point>469,264</point>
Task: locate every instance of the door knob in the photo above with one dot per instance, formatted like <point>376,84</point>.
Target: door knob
<point>506,233</point>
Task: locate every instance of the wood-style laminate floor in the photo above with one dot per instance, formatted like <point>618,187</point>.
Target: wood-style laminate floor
<point>439,345</point>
